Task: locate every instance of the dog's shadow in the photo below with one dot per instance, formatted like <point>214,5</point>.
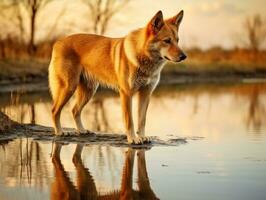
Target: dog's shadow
<point>63,188</point>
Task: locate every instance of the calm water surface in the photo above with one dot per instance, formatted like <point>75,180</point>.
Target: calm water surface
<point>228,163</point>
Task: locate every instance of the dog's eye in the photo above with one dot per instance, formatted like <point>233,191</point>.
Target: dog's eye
<point>167,41</point>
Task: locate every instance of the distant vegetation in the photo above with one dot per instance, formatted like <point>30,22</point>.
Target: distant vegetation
<point>18,45</point>
<point>218,59</point>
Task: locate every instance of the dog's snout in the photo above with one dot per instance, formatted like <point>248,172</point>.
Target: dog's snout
<point>182,56</point>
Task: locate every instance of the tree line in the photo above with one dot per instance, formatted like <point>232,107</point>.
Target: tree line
<point>18,16</point>
<point>20,23</point>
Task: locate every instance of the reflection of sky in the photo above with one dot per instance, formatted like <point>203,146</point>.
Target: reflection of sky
<point>200,168</point>
<point>201,112</point>
<point>230,160</point>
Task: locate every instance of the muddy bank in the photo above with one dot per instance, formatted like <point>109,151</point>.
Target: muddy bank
<point>23,84</point>
<point>39,83</point>
<point>10,130</point>
<point>6,123</point>
<point>212,77</point>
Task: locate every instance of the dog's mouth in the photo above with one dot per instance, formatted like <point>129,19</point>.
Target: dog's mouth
<point>165,57</point>
<point>175,61</point>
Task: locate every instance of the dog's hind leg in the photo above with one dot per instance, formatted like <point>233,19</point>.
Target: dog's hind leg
<point>85,90</point>
<point>60,99</point>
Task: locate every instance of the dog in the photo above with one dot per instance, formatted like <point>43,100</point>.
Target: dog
<point>130,65</point>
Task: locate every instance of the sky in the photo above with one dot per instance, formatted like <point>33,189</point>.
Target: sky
<point>206,23</point>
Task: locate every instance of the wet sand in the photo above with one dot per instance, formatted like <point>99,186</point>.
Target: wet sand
<point>14,130</point>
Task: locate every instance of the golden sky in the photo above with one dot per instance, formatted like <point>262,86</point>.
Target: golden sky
<point>206,22</point>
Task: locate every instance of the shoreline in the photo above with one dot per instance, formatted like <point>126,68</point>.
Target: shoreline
<point>39,83</point>
<point>11,130</point>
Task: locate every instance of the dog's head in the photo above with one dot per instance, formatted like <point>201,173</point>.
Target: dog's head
<point>163,37</point>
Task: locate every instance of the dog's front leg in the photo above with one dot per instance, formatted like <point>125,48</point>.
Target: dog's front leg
<point>143,102</point>
<point>126,102</point>
<point>144,95</point>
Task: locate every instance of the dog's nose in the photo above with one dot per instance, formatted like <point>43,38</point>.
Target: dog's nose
<point>182,56</point>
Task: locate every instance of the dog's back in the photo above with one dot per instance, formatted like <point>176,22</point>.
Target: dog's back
<point>81,55</point>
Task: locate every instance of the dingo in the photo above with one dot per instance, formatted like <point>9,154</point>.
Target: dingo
<point>130,65</point>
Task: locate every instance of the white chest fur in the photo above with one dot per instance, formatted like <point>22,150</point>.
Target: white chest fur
<point>146,75</point>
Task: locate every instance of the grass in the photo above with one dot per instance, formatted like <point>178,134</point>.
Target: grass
<point>220,61</point>
<point>22,68</point>
<point>190,67</point>
<point>213,61</point>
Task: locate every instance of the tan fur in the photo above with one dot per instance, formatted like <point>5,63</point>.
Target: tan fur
<point>130,65</point>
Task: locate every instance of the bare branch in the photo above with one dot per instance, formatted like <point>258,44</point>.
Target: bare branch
<point>255,29</point>
<point>101,12</point>
<point>54,26</point>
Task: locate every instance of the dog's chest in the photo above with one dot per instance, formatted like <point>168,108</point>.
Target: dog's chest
<point>141,80</point>
<point>146,74</point>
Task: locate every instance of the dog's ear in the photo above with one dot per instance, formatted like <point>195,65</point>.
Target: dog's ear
<point>177,19</point>
<point>156,22</point>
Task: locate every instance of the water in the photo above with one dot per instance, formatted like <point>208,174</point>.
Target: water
<point>228,162</point>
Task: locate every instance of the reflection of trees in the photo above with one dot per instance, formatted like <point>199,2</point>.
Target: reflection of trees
<point>63,187</point>
<point>32,114</point>
<point>253,94</point>
<point>20,112</point>
<point>100,119</point>
<point>256,110</point>
<point>22,108</point>
<point>23,161</point>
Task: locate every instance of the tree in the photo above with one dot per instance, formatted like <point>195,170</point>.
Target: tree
<point>101,12</point>
<point>11,17</point>
<point>16,13</point>
<point>33,7</point>
<point>255,30</point>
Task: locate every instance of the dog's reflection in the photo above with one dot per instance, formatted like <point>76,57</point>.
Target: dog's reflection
<point>145,191</point>
<point>63,188</point>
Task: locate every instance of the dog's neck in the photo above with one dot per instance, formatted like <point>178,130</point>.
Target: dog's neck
<point>139,52</point>
<point>149,61</point>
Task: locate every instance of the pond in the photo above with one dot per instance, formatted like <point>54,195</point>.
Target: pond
<point>224,157</point>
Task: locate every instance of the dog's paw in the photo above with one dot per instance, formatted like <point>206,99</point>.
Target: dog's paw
<point>85,132</point>
<point>135,140</point>
<point>146,139</point>
<point>67,134</point>
<point>58,133</point>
